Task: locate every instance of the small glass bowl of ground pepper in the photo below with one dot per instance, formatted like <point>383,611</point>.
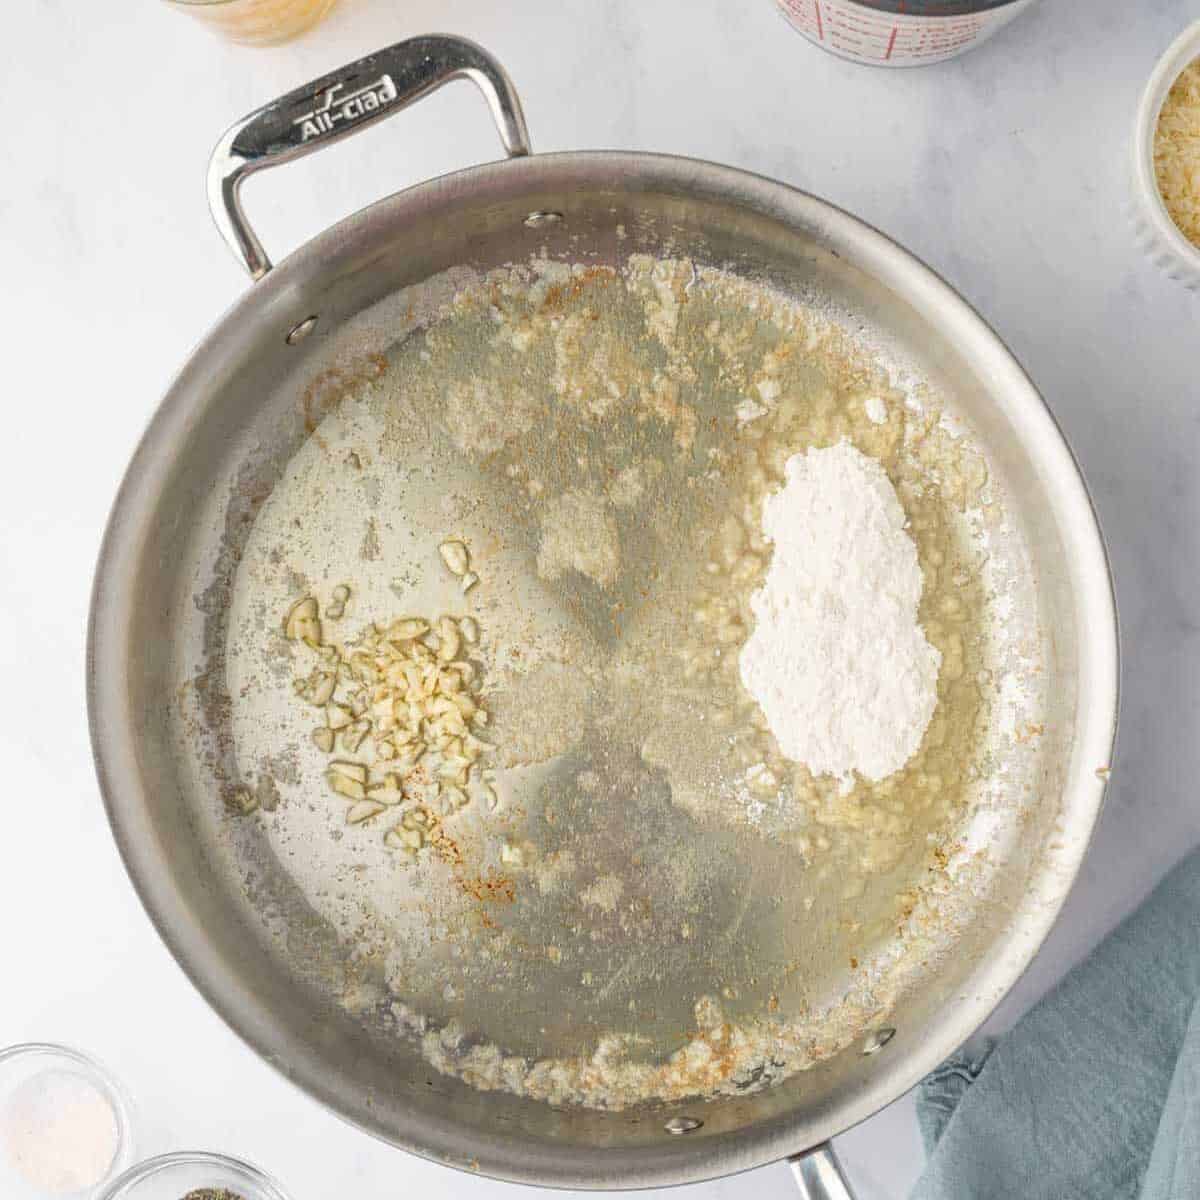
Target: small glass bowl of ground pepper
<point>193,1175</point>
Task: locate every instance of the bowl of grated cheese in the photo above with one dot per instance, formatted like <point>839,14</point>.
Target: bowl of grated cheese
<point>1166,161</point>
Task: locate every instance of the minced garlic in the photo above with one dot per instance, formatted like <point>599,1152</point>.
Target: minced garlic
<point>408,688</point>
<point>1177,152</point>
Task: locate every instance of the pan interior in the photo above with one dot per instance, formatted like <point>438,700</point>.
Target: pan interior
<point>632,896</point>
<point>657,937</point>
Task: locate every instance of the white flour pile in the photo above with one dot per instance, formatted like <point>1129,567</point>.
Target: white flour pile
<point>837,660</point>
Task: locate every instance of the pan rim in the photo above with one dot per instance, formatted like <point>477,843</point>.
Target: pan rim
<point>679,1161</point>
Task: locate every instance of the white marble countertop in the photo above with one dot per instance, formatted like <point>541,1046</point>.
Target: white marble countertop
<point>1006,170</point>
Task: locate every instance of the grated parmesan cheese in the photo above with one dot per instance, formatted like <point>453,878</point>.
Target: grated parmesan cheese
<point>1177,152</point>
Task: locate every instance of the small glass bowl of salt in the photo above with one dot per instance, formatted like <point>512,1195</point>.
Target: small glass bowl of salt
<point>64,1124</point>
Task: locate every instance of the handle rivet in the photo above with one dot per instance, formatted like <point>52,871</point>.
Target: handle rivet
<point>680,1125</point>
<point>542,218</point>
<point>301,331</point>
<point>877,1040</point>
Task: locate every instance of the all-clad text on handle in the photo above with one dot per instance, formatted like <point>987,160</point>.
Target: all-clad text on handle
<point>341,103</point>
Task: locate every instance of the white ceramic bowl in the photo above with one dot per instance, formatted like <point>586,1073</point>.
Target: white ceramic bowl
<point>1157,233</point>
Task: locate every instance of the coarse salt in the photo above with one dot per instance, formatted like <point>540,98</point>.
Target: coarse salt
<point>59,1132</point>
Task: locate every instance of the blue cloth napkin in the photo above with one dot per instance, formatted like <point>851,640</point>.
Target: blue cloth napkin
<point>1095,1094</point>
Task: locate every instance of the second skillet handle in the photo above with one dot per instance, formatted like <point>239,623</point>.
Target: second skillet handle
<point>341,103</point>
<point>820,1175</point>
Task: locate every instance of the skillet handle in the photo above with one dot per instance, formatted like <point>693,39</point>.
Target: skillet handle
<point>342,103</point>
<point>819,1175</point>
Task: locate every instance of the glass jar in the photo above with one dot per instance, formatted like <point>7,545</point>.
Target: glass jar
<point>257,22</point>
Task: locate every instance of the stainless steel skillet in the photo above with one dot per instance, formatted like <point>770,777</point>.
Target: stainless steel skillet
<point>220,443</point>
